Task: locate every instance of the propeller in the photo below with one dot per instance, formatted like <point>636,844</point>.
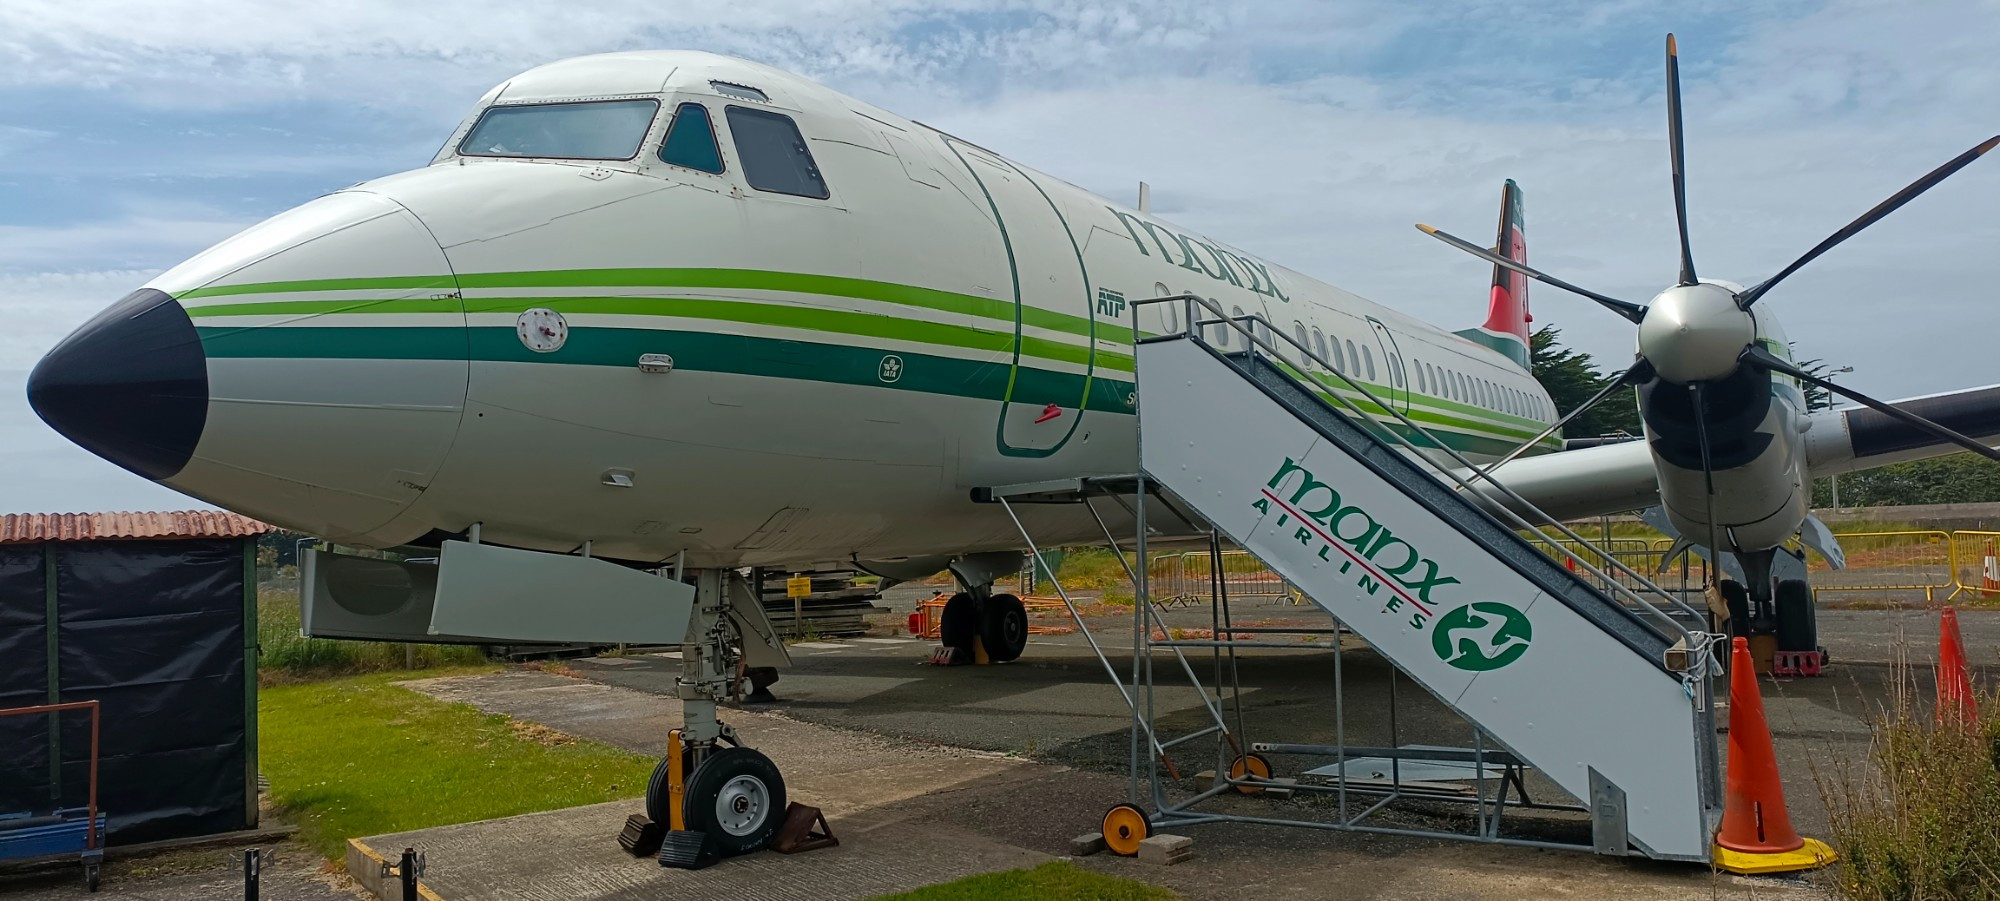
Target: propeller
<point>1695,333</point>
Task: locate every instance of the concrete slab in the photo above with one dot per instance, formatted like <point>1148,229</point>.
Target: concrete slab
<point>914,810</point>
<point>573,855</point>
<point>819,645</point>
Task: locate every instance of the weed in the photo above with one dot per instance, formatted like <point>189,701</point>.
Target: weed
<point>1919,818</point>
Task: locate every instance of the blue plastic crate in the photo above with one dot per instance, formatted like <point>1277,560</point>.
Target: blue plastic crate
<point>65,832</point>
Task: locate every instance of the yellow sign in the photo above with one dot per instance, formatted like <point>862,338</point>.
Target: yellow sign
<point>798,586</point>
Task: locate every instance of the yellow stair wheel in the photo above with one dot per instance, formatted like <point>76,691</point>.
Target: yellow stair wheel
<point>1125,826</point>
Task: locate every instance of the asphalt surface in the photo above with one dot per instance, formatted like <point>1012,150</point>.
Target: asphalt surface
<point>1057,703</point>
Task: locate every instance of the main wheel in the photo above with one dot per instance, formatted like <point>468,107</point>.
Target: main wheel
<point>959,622</point>
<point>737,797</point>
<point>1738,599</point>
<point>1125,826</point>
<point>1796,630</point>
<point>1003,627</point>
<point>1252,764</point>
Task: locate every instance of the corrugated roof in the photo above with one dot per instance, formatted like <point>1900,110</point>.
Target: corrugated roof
<point>17,528</point>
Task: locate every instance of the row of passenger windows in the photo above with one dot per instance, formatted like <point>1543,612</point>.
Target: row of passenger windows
<point>1435,381</point>
<point>1343,353</point>
<point>769,146</point>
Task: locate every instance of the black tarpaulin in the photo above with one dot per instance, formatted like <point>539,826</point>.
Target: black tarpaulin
<point>155,632</point>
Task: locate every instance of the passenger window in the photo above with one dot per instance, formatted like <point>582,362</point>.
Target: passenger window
<point>1299,332</point>
<point>1319,344</point>
<point>774,154</point>
<point>1395,364</point>
<point>1368,361</point>
<point>1222,329</point>
<point>1170,313</point>
<point>1355,356</point>
<point>690,141</point>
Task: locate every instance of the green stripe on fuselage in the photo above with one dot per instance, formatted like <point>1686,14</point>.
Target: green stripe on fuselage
<point>695,351</point>
<point>819,319</point>
<point>739,279</point>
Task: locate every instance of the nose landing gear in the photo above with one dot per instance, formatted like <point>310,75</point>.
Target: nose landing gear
<point>733,796</point>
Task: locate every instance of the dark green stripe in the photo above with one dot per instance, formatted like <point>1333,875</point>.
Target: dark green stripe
<point>697,351</point>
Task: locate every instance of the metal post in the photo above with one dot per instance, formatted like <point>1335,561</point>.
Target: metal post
<point>252,865</point>
<point>407,871</point>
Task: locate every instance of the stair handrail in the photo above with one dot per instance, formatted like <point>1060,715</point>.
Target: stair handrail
<point>1698,644</point>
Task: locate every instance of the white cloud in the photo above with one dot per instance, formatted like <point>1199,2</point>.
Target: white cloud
<point>1311,133</point>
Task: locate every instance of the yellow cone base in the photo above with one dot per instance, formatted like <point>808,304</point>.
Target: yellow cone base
<point>1813,855</point>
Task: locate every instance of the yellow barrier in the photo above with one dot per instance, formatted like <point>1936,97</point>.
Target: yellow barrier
<point>1970,551</point>
<point>1908,561</point>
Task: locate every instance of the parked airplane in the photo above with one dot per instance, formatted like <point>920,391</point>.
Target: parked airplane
<point>663,306</point>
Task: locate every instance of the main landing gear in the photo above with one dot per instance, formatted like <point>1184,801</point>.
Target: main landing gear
<point>708,782</point>
<point>1780,619</point>
<point>978,620</point>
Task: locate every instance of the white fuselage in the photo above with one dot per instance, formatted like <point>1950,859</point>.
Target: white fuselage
<point>843,370</point>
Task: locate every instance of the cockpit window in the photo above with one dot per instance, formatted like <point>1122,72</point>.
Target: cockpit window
<point>691,141</point>
<point>592,130</point>
<point>774,154</point>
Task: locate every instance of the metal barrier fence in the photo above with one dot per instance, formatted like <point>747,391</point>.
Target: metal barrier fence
<point>1187,578</point>
<point>1975,570</point>
<point>1908,562</point>
<point>1913,562</point>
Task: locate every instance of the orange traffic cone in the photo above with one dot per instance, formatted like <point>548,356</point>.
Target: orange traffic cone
<point>1757,834</point>
<point>1989,570</point>
<point>1954,681</point>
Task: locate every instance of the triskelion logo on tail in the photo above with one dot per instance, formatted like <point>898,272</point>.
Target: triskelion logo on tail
<point>1475,636</point>
<point>1481,636</point>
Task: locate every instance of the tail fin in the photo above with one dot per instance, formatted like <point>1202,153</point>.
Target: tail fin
<point>1507,317</point>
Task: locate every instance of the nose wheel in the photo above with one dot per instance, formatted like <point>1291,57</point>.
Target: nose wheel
<point>737,796</point>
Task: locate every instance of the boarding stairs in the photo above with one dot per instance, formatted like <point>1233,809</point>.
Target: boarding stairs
<point>1374,521</point>
<point>1563,659</point>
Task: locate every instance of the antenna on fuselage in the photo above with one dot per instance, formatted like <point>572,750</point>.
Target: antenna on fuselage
<point>1145,197</point>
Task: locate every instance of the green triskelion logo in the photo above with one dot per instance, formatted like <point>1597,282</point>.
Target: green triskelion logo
<point>1481,636</point>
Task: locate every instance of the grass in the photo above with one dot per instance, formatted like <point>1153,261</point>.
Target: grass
<point>1053,881</point>
<point>286,656</point>
<point>359,756</point>
<point>1920,817</point>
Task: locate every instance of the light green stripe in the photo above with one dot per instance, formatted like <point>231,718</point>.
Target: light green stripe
<point>843,322</point>
<point>1419,415</point>
<point>742,279</point>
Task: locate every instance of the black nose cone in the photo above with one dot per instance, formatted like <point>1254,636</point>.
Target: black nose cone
<point>130,386</point>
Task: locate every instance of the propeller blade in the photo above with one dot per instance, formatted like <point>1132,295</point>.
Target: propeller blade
<point>1758,356</point>
<point>1679,156</point>
<point>1631,311</point>
<point>1707,473</point>
<point>1869,218</point>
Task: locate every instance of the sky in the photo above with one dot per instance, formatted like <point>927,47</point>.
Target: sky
<point>135,133</point>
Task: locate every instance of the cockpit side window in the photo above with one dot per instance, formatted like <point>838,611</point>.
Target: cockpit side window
<point>774,154</point>
<point>587,130</point>
<point>690,141</point>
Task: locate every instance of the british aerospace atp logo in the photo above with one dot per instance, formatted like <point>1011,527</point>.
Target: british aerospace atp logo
<point>1481,636</point>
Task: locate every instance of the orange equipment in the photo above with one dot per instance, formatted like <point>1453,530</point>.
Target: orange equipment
<point>1757,834</point>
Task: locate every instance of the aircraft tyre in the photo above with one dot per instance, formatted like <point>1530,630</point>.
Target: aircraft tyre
<point>736,796</point>
<point>1004,627</point>
<point>959,622</point>
<point>1796,629</point>
<point>1738,599</point>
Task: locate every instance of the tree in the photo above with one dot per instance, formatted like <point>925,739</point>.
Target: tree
<point>1572,377</point>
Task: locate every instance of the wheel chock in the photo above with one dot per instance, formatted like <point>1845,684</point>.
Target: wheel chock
<point>641,837</point>
<point>687,850</point>
<point>797,833</point>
